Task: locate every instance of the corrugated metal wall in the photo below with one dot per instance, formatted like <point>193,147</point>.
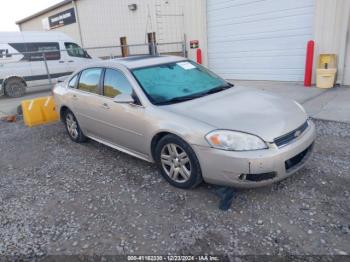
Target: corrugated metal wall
<point>259,40</point>
<point>331,27</point>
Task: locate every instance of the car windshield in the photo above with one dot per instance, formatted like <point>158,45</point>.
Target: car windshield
<point>178,82</point>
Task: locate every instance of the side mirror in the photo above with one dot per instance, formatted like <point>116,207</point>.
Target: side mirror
<point>124,99</point>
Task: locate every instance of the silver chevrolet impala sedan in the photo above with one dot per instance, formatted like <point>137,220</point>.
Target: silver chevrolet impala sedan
<point>192,123</point>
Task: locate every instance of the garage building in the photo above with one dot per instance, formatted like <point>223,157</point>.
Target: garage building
<point>239,39</point>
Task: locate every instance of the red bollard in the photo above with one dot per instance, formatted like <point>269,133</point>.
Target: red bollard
<point>309,62</point>
<point>199,56</point>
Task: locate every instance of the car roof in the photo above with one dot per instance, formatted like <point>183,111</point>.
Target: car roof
<point>133,62</point>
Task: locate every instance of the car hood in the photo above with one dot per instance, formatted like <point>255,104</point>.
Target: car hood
<point>245,109</point>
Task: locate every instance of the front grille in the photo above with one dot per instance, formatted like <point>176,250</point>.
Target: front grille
<point>287,138</point>
<point>292,162</point>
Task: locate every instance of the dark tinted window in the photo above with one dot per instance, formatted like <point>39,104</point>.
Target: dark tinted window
<point>73,81</point>
<point>51,50</point>
<point>89,80</point>
<point>115,83</point>
<point>76,51</point>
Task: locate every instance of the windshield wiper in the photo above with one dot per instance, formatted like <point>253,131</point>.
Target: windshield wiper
<point>179,99</point>
<point>218,89</point>
<point>190,97</point>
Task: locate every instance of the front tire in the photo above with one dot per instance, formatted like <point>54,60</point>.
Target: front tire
<point>177,162</point>
<point>73,128</point>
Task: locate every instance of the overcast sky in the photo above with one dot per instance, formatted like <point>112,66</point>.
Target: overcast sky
<point>14,10</point>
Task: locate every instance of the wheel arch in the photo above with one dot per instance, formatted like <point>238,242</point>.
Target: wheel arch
<point>158,136</point>
<point>63,110</point>
<point>6,79</point>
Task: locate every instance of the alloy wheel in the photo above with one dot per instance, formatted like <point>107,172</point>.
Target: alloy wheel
<point>72,126</point>
<point>176,163</point>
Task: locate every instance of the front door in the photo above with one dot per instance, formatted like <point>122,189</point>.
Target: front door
<point>124,124</point>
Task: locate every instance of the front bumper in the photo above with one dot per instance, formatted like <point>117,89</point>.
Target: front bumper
<point>255,168</point>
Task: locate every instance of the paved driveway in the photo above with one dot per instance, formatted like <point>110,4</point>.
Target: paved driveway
<point>327,104</point>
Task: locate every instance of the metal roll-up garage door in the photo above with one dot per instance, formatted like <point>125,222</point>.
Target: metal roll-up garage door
<point>259,39</point>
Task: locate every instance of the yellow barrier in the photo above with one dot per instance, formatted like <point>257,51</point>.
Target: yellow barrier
<point>39,111</point>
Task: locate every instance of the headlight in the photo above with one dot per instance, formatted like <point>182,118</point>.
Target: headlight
<point>235,141</point>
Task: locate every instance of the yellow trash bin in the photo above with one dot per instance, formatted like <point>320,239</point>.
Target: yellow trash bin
<point>326,71</point>
<point>39,111</point>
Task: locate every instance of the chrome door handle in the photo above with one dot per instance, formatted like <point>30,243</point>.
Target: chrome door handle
<point>70,61</point>
<point>61,61</point>
<point>75,97</point>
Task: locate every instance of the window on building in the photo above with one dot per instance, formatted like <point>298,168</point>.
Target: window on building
<point>89,80</point>
<point>115,83</point>
<point>76,51</point>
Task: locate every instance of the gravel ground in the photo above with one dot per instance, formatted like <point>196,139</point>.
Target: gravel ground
<point>58,197</point>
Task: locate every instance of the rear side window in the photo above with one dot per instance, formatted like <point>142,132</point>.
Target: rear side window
<point>72,83</point>
<point>115,83</point>
<point>51,50</point>
<point>89,80</point>
<point>76,51</point>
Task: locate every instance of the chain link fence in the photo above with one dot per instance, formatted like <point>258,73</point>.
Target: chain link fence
<point>26,71</point>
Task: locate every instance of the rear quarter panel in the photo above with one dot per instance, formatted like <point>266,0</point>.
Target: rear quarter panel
<point>60,94</point>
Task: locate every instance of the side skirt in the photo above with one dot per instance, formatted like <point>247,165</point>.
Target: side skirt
<point>122,149</point>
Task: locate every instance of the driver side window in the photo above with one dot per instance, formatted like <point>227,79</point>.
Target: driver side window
<point>76,51</point>
<point>115,83</point>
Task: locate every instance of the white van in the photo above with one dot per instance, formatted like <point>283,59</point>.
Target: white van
<point>20,69</point>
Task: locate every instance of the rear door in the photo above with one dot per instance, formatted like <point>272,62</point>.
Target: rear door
<point>87,101</point>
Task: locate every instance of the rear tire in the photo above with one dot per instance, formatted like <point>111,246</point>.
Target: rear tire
<point>73,128</point>
<point>15,87</point>
<point>178,162</point>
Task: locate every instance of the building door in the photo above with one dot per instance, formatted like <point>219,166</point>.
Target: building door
<point>346,80</point>
<point>259,40</point>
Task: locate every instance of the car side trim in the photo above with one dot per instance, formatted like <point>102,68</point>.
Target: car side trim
<point>122,149</point>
